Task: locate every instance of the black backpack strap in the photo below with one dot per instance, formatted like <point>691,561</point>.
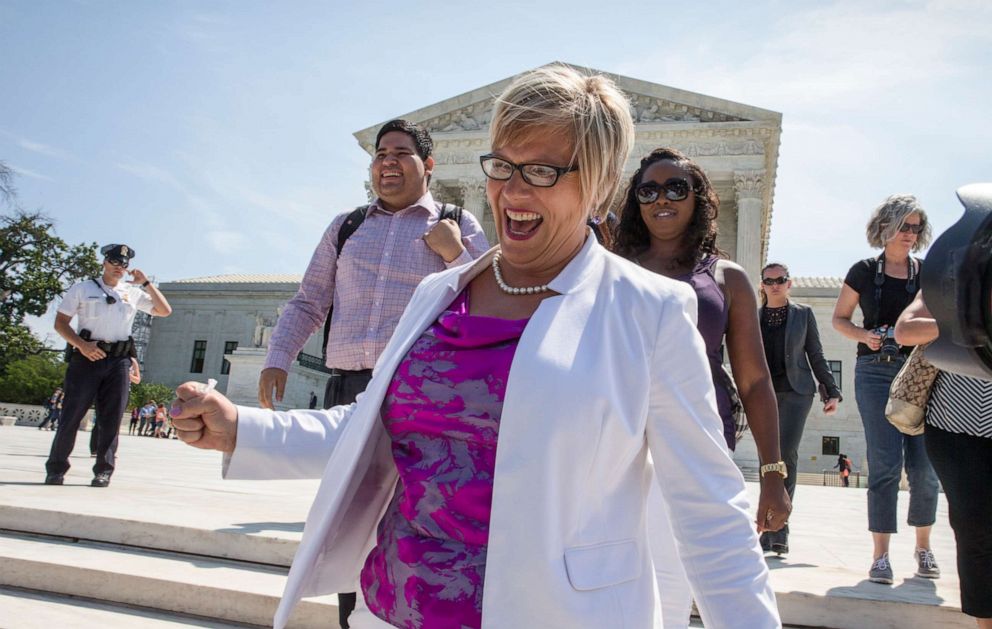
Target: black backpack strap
<point>449,210</point>
<point>349,227</point>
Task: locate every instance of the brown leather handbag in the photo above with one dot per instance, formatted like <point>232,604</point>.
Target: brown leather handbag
<point>910,392</point>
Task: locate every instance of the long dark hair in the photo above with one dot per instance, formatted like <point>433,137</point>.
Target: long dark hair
<point>631,236</point>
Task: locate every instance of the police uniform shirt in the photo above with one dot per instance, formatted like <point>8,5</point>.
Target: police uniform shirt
<point>87,301</point>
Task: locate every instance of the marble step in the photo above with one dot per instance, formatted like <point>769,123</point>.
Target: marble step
<point>229,591</point>
<point>28,609</point>
<point>225,544</point>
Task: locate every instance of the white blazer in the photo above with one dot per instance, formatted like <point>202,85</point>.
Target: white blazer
<point>606,372</point>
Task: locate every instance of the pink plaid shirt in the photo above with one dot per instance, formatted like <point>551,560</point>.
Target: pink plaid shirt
<point>381,264</point>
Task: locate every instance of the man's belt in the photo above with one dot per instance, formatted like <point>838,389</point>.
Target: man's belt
<point>344,373</point>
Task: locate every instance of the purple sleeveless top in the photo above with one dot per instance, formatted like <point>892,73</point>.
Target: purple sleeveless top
<point>442,412</point>
<point>712,326</point>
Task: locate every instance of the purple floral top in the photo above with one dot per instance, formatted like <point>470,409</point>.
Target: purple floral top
<point>442,413</point>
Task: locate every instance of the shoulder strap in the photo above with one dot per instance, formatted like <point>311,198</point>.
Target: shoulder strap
<point>454,212</point>
<point>350,225</point>
<point>707,265</point>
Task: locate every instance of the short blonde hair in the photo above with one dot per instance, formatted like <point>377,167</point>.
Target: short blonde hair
<point>589,110</point>
<point>889,217</point>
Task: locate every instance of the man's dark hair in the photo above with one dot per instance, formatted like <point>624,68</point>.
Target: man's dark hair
<point>421,139</point>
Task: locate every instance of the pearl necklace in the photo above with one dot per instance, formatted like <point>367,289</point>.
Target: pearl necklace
<point>510,290</point>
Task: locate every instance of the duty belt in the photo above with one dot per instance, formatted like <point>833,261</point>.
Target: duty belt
<point>114,349</point>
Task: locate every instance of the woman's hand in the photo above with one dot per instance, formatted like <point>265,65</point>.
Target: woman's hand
<point>208,421</point>
<point>872,340</point>
<point>830,407</point>
<point>774,505</point>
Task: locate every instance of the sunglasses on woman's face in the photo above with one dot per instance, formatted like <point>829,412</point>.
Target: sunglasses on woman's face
<point>674,189</point>
<point>770,281</point>
<point>118,263</point>
<point>914,228</point>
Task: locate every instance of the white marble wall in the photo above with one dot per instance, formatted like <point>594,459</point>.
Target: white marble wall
<point>217,313</point>
<point>33,415</point>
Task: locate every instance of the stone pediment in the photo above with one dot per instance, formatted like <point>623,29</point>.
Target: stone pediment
<point>469,114</point>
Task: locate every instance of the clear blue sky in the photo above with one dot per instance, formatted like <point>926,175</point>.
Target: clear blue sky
<point>215,136</point>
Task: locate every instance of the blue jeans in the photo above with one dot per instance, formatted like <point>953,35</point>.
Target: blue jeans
<point>888,449</point>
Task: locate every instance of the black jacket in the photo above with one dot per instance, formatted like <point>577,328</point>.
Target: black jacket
<point>804,353</point>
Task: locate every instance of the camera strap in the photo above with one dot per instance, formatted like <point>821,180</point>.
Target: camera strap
<point>880,279</point>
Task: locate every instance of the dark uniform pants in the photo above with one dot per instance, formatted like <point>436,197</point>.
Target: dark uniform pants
<point>104,381</point>
<point>342,388</point>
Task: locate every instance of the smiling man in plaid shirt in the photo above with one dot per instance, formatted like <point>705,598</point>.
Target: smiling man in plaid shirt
<point>369,282</point>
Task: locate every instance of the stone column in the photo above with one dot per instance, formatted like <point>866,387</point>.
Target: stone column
<point>474,194</point>
<point>748,191</point>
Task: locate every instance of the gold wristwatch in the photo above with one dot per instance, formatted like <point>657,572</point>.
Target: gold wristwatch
<point>774,467</point>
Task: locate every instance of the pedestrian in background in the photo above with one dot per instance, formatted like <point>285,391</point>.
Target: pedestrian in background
<point>795,356</point>
<point>100,361</point>
<point>882,286</point>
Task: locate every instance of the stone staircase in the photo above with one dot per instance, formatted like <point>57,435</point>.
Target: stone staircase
<point>171,544</point>
<point>213,575</point>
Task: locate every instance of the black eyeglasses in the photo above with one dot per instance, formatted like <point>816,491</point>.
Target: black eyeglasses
<point>674,189</point>
<point>911,228</point>
<point>769,281</point>
<point>539,175</point>
<point>121,263</point>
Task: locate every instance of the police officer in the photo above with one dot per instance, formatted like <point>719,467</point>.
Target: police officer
<point>100,361</point>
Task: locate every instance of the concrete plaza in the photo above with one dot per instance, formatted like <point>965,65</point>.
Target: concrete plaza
<point>171,544</point>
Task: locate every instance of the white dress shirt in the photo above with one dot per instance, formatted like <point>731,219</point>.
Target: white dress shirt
<point>87,301</point>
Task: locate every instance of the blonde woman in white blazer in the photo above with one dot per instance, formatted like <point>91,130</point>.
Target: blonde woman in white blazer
<point>608,373</point>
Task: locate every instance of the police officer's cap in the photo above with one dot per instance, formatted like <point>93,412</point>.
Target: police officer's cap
<point>121,253</point>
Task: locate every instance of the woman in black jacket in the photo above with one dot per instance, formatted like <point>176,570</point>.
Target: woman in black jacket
<point>794,355</point>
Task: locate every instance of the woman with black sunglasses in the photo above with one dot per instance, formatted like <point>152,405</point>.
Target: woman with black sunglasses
<point>883,286</point>
<point>668,225</point>
<point>794,355</point>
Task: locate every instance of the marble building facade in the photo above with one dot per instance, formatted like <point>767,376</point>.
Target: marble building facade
<point>736,144</point>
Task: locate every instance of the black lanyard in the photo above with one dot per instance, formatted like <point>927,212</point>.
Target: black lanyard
<point>111,300</point>
<point>880,279</point>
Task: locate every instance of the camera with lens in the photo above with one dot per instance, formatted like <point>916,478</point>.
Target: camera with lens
<point>889,346</point>
<point>957,286</point>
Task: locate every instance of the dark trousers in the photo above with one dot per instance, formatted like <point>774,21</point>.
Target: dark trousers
<point>793,408</point>
<point>95,435</point>
<point>964,465</point>
<point>104,382</point>
<point>342,388</point>
<point>53,418</point>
